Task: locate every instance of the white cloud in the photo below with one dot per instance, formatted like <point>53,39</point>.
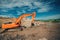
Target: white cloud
<point>18,3</point>
<point>4,16</point>
<point>38,4</point>
<point>43,10</point>
<point>10,15</point>
<point>43,6</point>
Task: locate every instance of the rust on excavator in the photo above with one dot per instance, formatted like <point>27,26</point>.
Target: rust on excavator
<point>18,21</point>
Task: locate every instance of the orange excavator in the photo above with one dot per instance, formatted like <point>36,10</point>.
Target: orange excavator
<point>18,21</point>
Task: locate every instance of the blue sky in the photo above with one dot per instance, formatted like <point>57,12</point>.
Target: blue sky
<point>45,9</point>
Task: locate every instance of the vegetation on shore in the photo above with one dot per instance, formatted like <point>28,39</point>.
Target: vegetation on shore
<point>50,20</point>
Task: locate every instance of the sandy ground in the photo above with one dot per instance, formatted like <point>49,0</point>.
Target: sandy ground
<point>49,31</point>
<point>42,32</point>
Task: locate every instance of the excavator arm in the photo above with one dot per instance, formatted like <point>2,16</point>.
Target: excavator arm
<point>25,15</point>
<point>18,20</point>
